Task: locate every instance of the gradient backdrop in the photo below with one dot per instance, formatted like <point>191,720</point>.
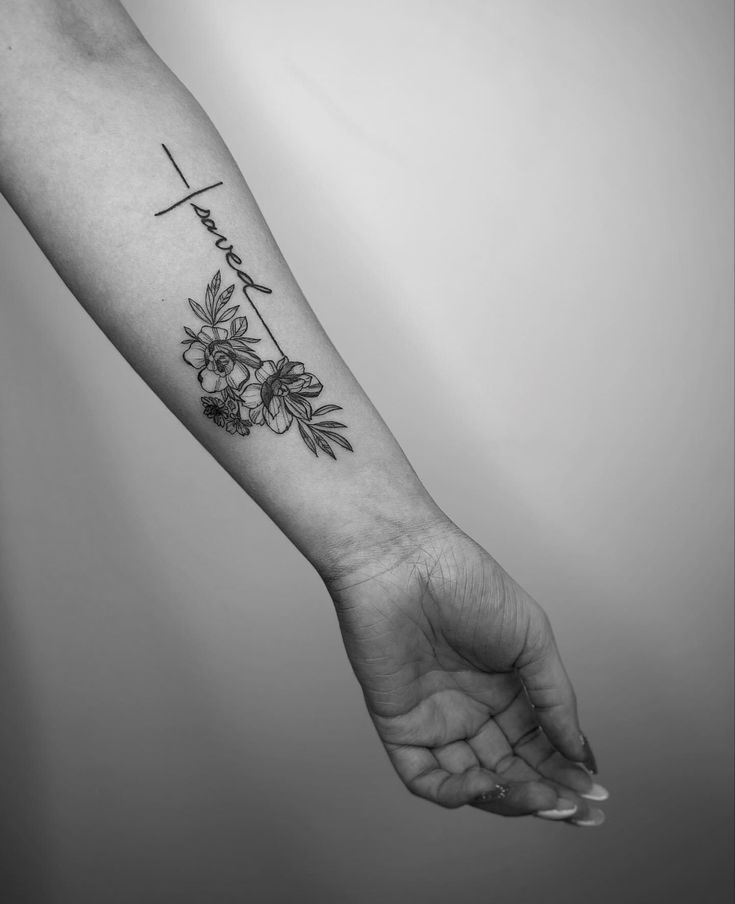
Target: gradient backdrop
<point>515,220</point>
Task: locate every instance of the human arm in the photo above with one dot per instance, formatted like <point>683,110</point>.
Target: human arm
<point>88,173</point>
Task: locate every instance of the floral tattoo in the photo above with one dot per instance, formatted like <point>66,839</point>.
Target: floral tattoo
<point>243,389</point>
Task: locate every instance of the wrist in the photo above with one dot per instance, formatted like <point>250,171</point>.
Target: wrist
<point>385,517</point>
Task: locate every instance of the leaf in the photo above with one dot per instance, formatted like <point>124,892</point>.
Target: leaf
<point>224,298</point>
<point>199,311</point>
<point>331,425</point>
<point>323,444</point>
<point>325,409</point>
<point>190,333</point>
<point>340,440</point>
<point>307,438</point>
<point>227,315</point>
<point>238,325</point>
<point>299,407</point>
<point>212,290</point>
<point>240,344</point>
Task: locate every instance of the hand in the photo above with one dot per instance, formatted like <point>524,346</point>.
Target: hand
<point>463,679</point>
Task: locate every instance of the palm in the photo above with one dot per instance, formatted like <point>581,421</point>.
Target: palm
<point>436,638</point>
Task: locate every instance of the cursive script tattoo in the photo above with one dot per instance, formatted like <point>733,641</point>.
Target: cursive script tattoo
<point>243,389</point>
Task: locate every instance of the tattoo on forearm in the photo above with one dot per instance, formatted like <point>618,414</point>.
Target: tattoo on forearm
<point>243,389</point>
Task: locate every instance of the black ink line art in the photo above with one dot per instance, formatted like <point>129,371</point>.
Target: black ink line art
<point>234,261</point>
<point>176,167</point>
<point>243,389</point>
<point>187,198</point>
<point>246,391</point>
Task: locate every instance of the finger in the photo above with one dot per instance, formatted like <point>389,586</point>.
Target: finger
<point>524,735</point>
<point>570,806</point>
<point>539,753</point>
<point>423,776</point>
<point>526,799</point>
<point>456,757</point>
<point>551,694</point>
<point>491,747</point>
<point>494,753</point>
<point>587,814</point>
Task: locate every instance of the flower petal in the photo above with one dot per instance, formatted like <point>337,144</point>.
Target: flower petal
<point>238,375</point>
<point>256,415</point>
<point>211,382</point>
<point>266,369</point>
<point>251,396</point>
<point>275,403</point>
<point>280,422</point>
<point>194,355</point>
<point>247,357</point>
<point>313,389</point>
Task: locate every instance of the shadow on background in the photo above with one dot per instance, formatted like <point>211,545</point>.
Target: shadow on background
<point>124,777</point>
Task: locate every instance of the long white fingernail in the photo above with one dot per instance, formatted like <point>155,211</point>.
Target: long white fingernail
<point>596,792</point>
<point>595,817</point>
<point>563,810</point>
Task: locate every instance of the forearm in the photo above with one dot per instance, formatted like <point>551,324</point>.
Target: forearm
<point>90,177</point>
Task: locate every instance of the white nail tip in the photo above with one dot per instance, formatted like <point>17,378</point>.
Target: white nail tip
<point>596,792</point>
<point>595,819</point>
<point>557,814</point>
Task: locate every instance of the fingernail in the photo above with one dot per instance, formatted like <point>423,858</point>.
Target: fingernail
<point>588,760</point>
<point>595,817</point>
<point>499,792</point>
<point>563,810</point>
<point>596,792</point>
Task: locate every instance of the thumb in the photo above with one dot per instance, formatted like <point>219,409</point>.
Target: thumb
<point>551,693</point>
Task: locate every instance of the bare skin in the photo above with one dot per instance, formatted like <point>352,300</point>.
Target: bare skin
<point>462,678</point>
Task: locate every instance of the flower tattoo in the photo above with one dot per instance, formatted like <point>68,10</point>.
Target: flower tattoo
<point>281,393</point>
<point>220,359</point>
<point>246,391</point>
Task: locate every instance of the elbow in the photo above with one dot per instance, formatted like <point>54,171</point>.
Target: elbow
<point>70,33</point>
<point>103,35</point>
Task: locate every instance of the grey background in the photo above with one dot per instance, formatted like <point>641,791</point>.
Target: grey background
<point>515,220</point>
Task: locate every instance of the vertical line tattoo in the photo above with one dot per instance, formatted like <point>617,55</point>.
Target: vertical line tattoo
<point>170,157</point>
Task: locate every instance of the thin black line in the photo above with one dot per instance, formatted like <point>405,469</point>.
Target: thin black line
<point>176,167</point>
<point>192,195</point>
<point>265,325</point>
